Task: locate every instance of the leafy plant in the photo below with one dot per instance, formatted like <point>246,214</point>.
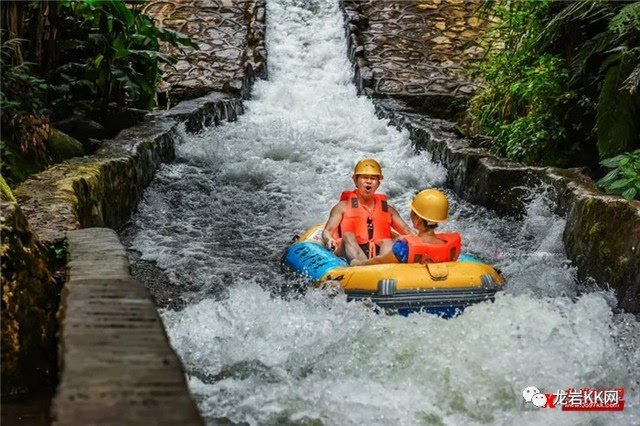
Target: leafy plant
<point>125,45</point>
<point>58,251</point>
<point>24,117</point>
<point>526,87</point>
<point>617,108</point>
<point>611,49</point>
<point>553,70</point>
<point>624,178</point>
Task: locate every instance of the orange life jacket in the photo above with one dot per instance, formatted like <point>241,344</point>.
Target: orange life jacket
<point>421,252</point>
<point>356,219</point>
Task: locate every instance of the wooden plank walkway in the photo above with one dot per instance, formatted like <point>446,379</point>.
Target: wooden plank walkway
<point>117,366</point>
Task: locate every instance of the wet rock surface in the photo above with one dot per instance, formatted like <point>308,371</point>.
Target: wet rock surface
<point>165,294</point>
<point>230,37</point>
<point>414,50</point>
<point>602,237</point>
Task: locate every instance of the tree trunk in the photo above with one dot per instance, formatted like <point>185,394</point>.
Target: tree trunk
<point>12,22</point>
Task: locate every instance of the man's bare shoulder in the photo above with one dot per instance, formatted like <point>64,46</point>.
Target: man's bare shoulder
<point>339,207</point>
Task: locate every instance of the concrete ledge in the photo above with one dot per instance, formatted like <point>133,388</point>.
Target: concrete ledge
<point>117,366</point>
<point>202,112</point>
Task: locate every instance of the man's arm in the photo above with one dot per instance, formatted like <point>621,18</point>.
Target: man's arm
<point>335,217</point>
<point>398,223</point>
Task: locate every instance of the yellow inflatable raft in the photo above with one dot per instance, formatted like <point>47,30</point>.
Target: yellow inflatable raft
<point>441,288</point>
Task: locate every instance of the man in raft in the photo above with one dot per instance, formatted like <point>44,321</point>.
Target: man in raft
<point>429,208</point>
<point>359,226</point>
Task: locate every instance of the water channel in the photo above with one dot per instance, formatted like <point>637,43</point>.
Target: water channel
<point>217,219</point>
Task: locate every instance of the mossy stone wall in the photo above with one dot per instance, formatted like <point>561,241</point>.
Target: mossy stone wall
<point>30,296</point>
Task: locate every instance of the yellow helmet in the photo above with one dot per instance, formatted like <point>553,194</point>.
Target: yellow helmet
<point>431,205</point>
<point>368,166</point>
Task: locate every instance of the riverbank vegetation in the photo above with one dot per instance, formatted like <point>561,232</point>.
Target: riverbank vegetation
<point>88,68</point>
<point>561,87</point>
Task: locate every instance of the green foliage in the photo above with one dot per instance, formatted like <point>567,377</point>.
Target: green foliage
<point>611,47</point>
<point>590,56</point>
<point>624,178</point>
<point>24,116</point>
<point>58,251</point>
<point>22,91</point>
<point>106,56</point>
<point>125,47</point>
<point>626,20</point>
<point>527,89</point>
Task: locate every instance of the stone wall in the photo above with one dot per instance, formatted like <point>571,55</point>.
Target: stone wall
<point>414,51</point>
<point>30,297</point>
<point>230,37</point>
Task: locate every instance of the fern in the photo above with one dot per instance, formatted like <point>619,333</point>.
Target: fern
<point>598,44</point>
<point>633,81</point>
<point>581,10</point>
<point>627,19</point>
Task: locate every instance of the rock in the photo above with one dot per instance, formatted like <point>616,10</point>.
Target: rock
<point>602,236</point>
<point>81,128</point>
<point>441,40</point>
<point>92,145</point>
<point>260,14</point>
<point>473,21</point>
<point>18,165</point>
<point>7,195</point>
<point>62,146</point>
<point>122,119</point>
<point>366,75</point>
<point>233,87</point>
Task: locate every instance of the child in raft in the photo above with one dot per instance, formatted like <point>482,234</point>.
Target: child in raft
<point>429,208</point>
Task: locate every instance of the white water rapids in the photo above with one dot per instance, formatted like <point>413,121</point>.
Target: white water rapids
<point>218,218</point>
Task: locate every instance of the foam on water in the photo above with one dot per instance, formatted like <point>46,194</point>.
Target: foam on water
<point>261,359</point>
<point>218,219</point>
